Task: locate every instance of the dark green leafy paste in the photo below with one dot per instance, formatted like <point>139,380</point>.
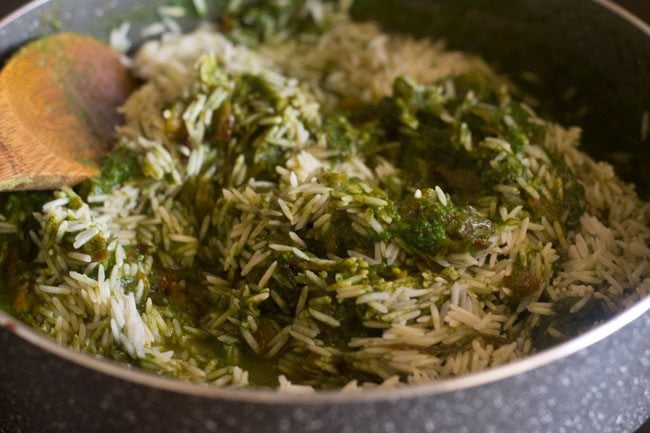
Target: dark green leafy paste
<point>423,130</point>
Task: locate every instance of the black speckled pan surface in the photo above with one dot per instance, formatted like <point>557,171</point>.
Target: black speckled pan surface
<point>599,382</point>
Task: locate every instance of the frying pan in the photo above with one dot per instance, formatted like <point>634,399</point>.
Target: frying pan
<point>597,382</point>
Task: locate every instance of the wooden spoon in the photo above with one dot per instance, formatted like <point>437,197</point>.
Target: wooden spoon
<point>59,100</point>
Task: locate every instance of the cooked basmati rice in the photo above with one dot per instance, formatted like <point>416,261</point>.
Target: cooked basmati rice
<point>115,273</point>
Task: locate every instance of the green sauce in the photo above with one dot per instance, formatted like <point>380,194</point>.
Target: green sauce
<point>434,136</point>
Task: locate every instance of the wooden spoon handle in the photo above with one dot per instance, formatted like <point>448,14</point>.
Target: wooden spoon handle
<point>58,109</point>
<point>28,163</point>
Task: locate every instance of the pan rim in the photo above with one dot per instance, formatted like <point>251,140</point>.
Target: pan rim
<point>273,398</point>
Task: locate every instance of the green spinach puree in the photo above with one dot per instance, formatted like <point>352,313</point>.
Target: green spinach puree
<point>447,135</point>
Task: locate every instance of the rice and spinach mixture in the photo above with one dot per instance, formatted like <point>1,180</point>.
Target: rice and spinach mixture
<point>300,201</point>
